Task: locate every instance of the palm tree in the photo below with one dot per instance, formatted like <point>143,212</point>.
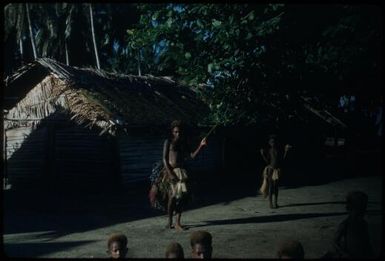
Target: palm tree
<point>30,31</point>
<point>14,21</point>
<point>55,28</point>
<point>93,38</point>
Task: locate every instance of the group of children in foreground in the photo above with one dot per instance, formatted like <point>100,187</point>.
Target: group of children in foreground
<point>351,239</point>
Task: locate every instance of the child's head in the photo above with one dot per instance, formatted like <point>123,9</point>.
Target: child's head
<point>117,246</point>
<point>176,129</point>
<point>290,249</point>
<point>174,250</point>
<point>356,202</point>
<point>201,244</point>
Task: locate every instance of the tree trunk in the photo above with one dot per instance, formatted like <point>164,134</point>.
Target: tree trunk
<point>139,72</point>
<point>66,50</point>
<point>31,33</point>
<point>21,51</point>
<point>93,38</point>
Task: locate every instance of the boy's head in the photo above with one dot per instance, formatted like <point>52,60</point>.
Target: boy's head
<point>290,249</point>
<point>117,246</point>
<point>201,244</point>
<point>176,129</point>
<point>174,250</point>
<point>356,202</point>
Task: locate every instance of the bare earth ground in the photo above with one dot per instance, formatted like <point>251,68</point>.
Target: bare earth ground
<point>242,225</point>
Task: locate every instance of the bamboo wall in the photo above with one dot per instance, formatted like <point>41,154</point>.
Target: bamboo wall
<point>26,158</point>
<point>139,153</point>
<point>59,155</point>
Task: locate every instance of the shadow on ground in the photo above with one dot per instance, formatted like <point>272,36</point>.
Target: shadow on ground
<point>275,218</point>
<point>268,219</point>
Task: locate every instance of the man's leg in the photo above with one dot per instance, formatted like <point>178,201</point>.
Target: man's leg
<point>271,188</point>
<point>275,193</point>
<point>179,210</point>
<point>178,225</point>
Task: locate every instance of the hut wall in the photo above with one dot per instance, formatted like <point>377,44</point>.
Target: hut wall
<point>82,158</point>
<point>60,154</point>
<point>139,153</point>
<point>26,154</point>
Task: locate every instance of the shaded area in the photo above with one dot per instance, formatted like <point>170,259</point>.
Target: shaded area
<point>39,249</point>
<point>66,208</point>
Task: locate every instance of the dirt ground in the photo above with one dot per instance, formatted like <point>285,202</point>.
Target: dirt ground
<point>242,225</point>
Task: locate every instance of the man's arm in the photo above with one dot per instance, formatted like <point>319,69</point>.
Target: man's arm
<point>263,156</point>
<point>166,149</point>
<point>201,144</point>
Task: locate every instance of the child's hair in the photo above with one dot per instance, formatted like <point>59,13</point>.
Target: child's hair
<point>118,237</point>
<point>356,201</point>
<point>291,248</point>
<point>176,248</point>
<point>200,237</point>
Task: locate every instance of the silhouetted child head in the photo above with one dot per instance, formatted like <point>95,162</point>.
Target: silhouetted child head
<point>290,249</point>
<point>117,246</point>
<point>356,203</point>
<point>201,244</point>
<point>174,250</point>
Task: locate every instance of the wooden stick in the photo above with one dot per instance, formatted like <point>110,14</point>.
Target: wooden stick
<point>211,130</point>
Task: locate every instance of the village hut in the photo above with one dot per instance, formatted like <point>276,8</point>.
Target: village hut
<point>81,126</point>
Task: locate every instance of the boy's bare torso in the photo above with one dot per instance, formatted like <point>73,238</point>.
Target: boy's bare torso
<point>175,157</point>
<point>274,158</point>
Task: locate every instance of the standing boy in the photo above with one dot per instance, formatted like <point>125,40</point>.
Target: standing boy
<point>174,182</point>
<point>273,155</point>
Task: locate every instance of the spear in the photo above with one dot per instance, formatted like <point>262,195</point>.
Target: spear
<point>211,130</point>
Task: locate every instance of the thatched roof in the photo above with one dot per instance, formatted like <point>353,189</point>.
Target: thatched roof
<point>97,98</point>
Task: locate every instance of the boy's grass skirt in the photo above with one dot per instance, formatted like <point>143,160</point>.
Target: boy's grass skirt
<point>162,189</point>
<point>269,173</point>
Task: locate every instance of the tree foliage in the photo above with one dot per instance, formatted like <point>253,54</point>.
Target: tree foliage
<point>249,61</point>
<point>255,56</point>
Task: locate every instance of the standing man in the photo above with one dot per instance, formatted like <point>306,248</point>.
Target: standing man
<point>273,155</point>
<point>174,181</point>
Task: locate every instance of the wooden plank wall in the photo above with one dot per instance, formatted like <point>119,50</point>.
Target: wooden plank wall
<point>82,157</point>
<point>139,153</point>
<point>75,156</point>
<point>26,154</point>
<point>62,156</point>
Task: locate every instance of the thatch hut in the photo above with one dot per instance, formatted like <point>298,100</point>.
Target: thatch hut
<point>82,126</point>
